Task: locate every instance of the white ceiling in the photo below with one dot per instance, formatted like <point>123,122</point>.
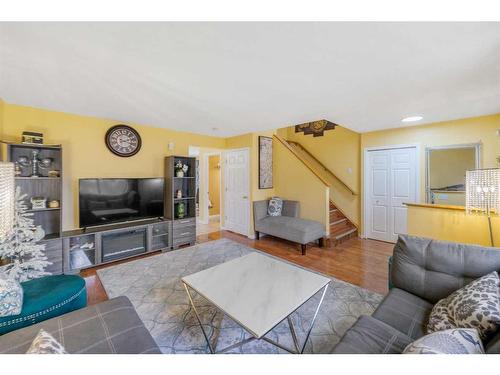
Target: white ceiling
<point>243,77</point>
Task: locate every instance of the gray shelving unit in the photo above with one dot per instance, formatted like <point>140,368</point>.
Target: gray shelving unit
<point>183,226</point>
<point>50,219</point>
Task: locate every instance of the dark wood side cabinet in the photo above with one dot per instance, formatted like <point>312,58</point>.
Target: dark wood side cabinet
<point>35,181</point>
<point>180,200</point>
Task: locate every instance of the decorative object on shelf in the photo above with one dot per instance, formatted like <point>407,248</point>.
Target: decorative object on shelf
<point>181,169</point>
<point>122,140</point>
<point>6,199</point>
<point>265,162</point>
<point>54,204</point>
<point>181,210</point>
<point>38,203</point>
<point>45,163</point>
<point>26,257</point>
<point>34,164</point>
<point>17,169</point>
<point>482,193</point>
<point>179,193</point>
<point>23,162</point>
<point>32,138</point>
<point>316,128</point>
<point>53,173</point>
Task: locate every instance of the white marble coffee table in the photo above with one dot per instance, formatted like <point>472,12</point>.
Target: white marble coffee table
<point>258,292</point>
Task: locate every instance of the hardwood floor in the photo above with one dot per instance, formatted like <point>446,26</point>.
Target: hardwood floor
<point>356,261</point>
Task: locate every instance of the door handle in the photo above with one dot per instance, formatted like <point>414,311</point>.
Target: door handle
<point>245,197</point>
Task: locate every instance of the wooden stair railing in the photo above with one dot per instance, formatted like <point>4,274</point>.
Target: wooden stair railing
<point>323,166</point>
<point>285,143</point>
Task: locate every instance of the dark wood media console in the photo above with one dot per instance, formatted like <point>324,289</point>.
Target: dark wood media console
<point>85,248</point>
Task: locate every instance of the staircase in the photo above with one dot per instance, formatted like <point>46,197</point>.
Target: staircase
<point>341,228</point>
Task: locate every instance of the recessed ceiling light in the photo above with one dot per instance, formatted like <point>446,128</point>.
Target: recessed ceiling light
<point>412,118</point>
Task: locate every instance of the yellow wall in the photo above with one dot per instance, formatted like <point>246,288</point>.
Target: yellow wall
<point>85,153</point>
<point>294,181</point>
<point>214,183</point>
<point>452,225</point>
<point>472,130</point>
<point>338,150</point>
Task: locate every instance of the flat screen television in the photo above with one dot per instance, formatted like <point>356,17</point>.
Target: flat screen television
<point>111,200</point>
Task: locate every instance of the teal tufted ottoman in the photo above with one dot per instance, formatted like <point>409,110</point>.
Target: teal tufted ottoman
<point>45,298</point>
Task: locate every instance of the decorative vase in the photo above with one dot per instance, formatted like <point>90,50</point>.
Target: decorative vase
<point>179,173</point>
<point>181,210</point>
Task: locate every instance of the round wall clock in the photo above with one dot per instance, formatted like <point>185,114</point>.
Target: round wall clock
<point>123,141</point>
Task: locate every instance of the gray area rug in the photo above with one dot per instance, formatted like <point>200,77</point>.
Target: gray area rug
<point>154,287</point>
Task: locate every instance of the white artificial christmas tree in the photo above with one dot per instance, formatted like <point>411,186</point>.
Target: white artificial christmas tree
<point>26,258</point>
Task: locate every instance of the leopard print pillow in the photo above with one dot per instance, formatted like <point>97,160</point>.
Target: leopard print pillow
<point>476,305</point>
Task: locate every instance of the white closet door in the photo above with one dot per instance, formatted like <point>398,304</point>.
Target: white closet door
<point>392,181</point>
<point>236,191</point>
<point>378,195</point>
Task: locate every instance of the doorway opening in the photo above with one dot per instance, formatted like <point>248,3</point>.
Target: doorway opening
<point>213,200</point>
<point>208,188</point>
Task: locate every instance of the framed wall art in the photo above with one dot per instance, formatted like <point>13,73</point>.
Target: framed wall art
<point>265,162</point>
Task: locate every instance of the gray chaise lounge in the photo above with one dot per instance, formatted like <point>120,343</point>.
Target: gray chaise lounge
<point>423,271</point>
<point>106,328</point>
<point>287,226</point>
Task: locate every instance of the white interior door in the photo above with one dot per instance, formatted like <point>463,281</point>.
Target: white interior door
<point>391,181</point>
<point>237,191</point>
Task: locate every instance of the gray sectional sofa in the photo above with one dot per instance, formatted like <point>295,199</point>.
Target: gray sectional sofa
<point>289,225</point>
<point>423,271</point>
<point>109,327</point>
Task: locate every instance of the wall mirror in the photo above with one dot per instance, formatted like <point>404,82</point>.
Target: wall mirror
<point>445,174</point>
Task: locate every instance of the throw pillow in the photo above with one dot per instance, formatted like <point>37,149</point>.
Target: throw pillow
<point>476,306</point>
<point>45,343</point>
<point>11,297</point>
<point>275,206</point>
<point>451,341</point>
